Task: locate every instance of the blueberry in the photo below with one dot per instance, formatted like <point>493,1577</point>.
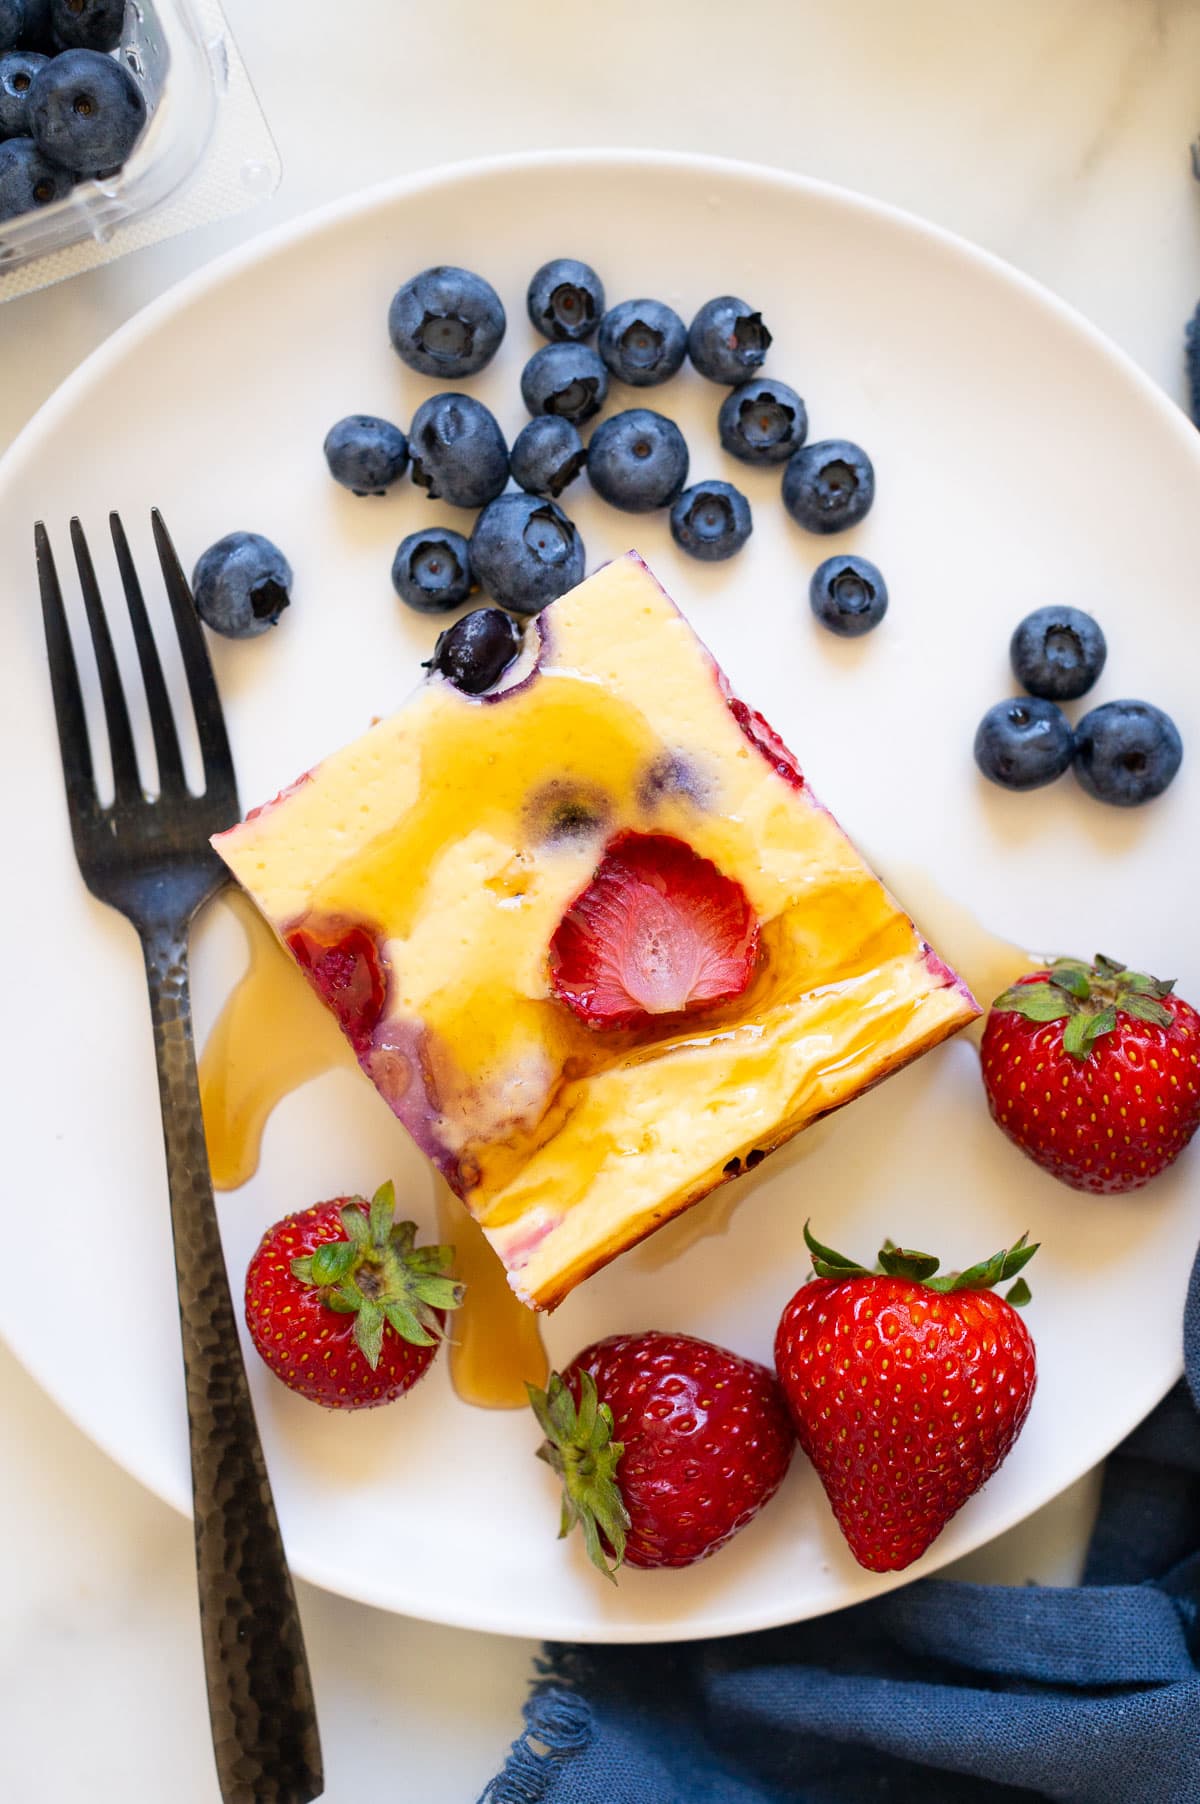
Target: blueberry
<point>87,24</point>
<point>711,520</point>
<point>642,342</point>
<point>446,322</point>
<point>38,32</point>
<point>829,486</point>
<point>27,179</point>
<point>86,112</point>
<point>638,460</point>
<point>565,379</point>
<point>366,454</point>
<point>17,71</point>
<point>547,455</point>
<point>1192,351</point>
<point>242,584</point>
<point>565,300</point>
<point>1024,743</point>
<point>525,552</point>
<point>762,422</point>
<point>12,24</point>
<point>848,595</point>
<point>727,340</point>
<point>458,451</point>
<point>475,652</point>
<point>1127,752</point>
<point>432,570</point>
<point>1058,653</point>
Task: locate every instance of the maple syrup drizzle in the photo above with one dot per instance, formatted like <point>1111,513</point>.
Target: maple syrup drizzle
<point>986,964</point>
<point>495,1342</point>
<point>273,1035</point>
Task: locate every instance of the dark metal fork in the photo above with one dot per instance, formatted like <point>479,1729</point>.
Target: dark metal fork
<point>150,858</point>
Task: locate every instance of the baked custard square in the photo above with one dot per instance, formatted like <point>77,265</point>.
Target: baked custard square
<point>419,876</point>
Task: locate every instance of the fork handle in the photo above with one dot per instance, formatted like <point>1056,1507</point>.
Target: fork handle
<point>264,1725</point>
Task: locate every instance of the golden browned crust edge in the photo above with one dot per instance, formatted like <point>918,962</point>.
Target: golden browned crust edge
<point>548,1298</point>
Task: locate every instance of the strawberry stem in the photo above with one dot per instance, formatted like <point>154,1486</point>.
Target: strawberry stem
<point>904,1262</point>
<point>379,1276</point>
<point>1090,999</point>
<point>580,1448</point>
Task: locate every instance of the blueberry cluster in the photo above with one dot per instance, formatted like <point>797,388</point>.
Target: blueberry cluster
<point>69,109</point>
<point>1123,752</point>
<point>447,322</point>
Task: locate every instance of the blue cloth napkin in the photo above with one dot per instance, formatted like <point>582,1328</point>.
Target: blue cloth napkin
<point>942,1693</point>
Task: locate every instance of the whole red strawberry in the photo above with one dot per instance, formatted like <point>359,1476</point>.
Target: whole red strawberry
<point>658,931</point>
<point>343,1307</point>
<point>907,1390</point>
<point>666,1446</point>
<point>1094,1071</point>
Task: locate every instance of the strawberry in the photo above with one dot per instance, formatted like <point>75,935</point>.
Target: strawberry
<point>658,931</point>
<point>666,1446</point>
<point>346,968</point>
<point>907,1390</point>
<point>1094,1071</point>
<point>343,1307</point>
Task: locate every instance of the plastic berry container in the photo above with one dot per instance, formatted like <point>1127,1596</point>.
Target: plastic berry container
<point>205,152</point>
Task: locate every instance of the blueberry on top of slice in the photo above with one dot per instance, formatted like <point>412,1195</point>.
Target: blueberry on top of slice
<point>446,322</point>
<point>762,422</point>
<point>829,485</point>
<point>1127,752</point>
<point>642,342</point>
<point>727,340</point>
<point>568,380</point>
<point>565,300</point>
<point>1058,653</point>
<point>474,653</point>
<point>1024,743</point>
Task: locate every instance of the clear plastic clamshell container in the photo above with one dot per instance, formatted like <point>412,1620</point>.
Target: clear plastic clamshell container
<point>206,152</point>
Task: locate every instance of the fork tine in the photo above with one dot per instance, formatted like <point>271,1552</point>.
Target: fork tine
<point>64,682</point>
<point>162,721</point>
<point>206,703</point>
<point>126,782</point>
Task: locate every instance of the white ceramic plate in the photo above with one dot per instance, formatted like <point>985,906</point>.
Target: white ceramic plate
<point>1020,459</point>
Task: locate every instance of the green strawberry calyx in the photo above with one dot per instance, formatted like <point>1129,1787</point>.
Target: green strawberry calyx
<point>904,1262</point>
<point>580,1448</point>
<point>379,1276</point>
<point>1089,999</point>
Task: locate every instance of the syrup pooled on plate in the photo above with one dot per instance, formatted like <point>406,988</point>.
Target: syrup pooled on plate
<point>273,1035</point>
<point>987,964</point>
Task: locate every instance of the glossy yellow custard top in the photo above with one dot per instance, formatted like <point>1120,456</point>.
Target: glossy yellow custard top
<point>459,831</point>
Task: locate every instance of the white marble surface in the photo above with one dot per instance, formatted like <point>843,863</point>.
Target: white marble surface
<point>1054,132</point>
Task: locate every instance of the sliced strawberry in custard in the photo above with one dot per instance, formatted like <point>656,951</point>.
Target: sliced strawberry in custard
<point>658,931</point>
<point>346,968</point>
